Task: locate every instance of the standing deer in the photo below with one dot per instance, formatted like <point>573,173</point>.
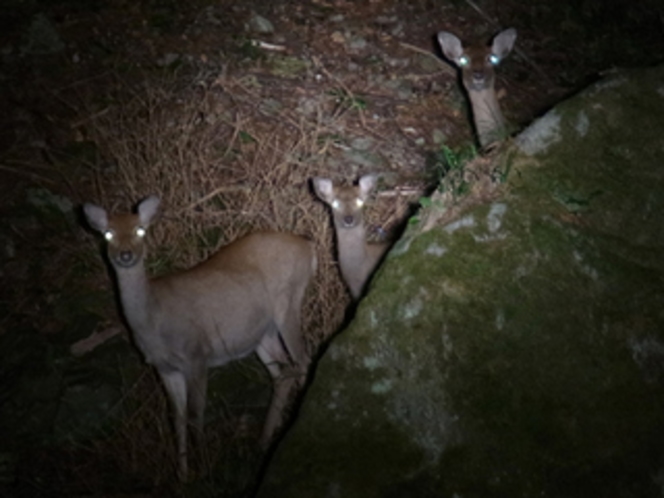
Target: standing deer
<point>357,258</point>
<point>477,65</point>
<point>246,298</point>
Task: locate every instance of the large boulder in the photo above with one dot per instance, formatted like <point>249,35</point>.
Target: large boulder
<point>512,345</point>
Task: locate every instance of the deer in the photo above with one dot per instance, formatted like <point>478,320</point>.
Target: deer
<point>477,65</point>
<point>357,258</point>
<point>245,298</point>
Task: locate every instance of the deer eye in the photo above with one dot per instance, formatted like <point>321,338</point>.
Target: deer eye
<point>464,60</point>
<point>108,235</point>
<point>335,204</point>
<point>140,231</point>
<point>494,59</point>
<point>359,203</point>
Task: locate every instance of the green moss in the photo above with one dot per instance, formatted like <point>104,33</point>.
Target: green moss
<point>513,351</point>
<point>287,66</point>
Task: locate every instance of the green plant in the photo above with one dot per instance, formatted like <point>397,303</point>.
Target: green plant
<point>346,99</point>
<point>450,168</point>
<point>502,171</point>
<point>246,137</point>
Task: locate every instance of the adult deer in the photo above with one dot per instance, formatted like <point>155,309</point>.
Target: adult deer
<point>246,298</point>
<point>477,65</point>
<point>357,258</point>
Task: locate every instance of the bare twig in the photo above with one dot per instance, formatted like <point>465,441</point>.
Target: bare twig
<point>30,174</point>
<point>444,66</point>
<point>268,46</point>
<point>401,191</point>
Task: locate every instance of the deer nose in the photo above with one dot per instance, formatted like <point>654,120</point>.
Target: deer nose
<point>126,256</point>
<point>478,75</point>
<point>349,220</point>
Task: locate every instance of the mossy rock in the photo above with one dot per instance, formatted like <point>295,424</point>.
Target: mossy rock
<point>517,350</point>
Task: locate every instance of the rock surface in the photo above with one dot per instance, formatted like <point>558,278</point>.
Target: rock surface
<point>517,350</point>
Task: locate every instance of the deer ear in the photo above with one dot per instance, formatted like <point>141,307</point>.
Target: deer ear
<point>96,217</point>
<point>324,189</point>
<point>503,43</point>
<point>451,46</point>
<point>367,183</point>
<point>148,209</point>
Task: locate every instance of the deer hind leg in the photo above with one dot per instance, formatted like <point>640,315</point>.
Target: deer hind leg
<point>273,355</point>
<point>288,320</point>
<point>197,395</point>
<point>176,388</point>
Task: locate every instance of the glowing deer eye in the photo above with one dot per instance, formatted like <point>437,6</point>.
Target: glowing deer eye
<point>335,204</point>
<point>494,59</point>
<point>359,203</point>
<point>140,231</point>
<point>108,235</point>
<point>464,60</point>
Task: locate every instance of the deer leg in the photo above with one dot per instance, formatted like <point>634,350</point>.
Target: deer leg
<point>197,396</point>
<point>176,388</point>
<point>274,357</point>
<point>288,323</point>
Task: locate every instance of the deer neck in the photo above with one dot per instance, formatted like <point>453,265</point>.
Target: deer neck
<point>489,120</point>
<point>352,247</point>
<point>135,295</point>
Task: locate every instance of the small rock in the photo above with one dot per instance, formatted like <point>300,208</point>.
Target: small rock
<point>288,67</point>
<point>438,136</point>
<point>397,31</point>
<point>361,143</point>
<point>40,197</point>
<point>397,62</point>
<point>364,159</point>
<point>307,106</point>
<point>384,20</point>
<point>8,249</point>
<point>357,43</point>
<point>270,106</point>
<point>259,24</point>
<point>338,37</point>
<point>401,87</point>
<point>167,60</point>
<point>42,37</point>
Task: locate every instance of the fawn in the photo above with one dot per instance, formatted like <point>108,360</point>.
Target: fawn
<point>357,258</point>
<point>245,298</point>
<point>477,65</point>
